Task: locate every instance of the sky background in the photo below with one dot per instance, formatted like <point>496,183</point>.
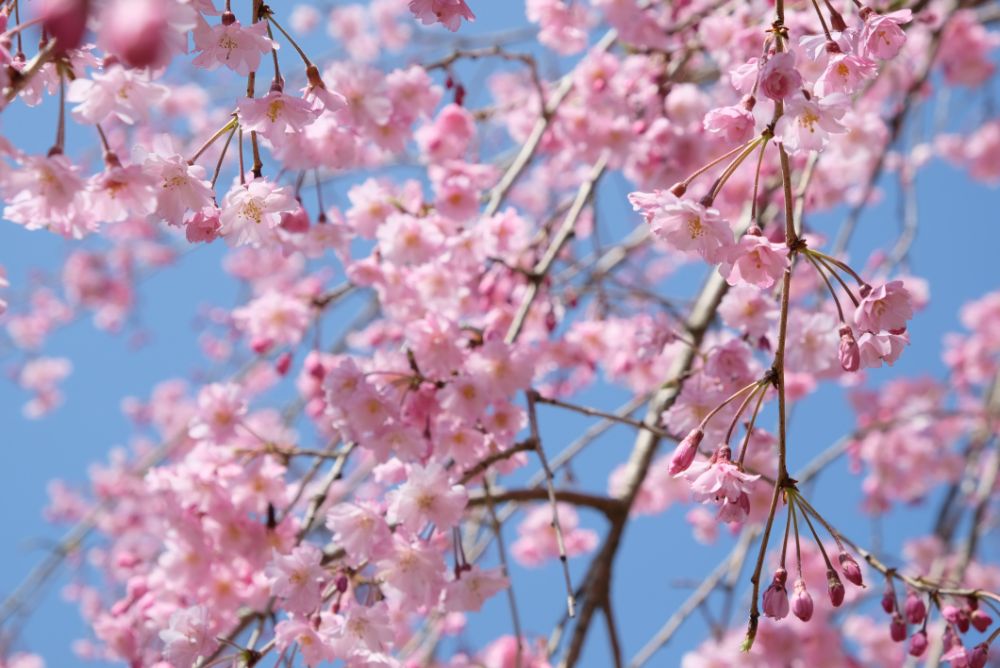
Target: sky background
<point>955,251</point>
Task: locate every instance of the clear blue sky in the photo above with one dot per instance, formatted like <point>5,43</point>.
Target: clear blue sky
<point>955,251</point>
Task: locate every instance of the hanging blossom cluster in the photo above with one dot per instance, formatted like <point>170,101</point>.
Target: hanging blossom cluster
<point>426,269</point>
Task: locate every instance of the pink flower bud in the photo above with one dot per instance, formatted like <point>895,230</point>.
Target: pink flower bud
<point>66,21</point>
<point>889,599</point>
<point>897,629</point>
<point>776,596</point>
<point>850,354</point>
<point>980,655</point>
<point>802,603</point>
<point>957,616</point>
<point>136,31</point>
<point>283,363</point>
<point>685,452</point>
<point>980,620</point>
<point>295,221</point>
<point>915,609</point>
<point>261,345</point>
<point>850,569</point>
<point>918,643</point>
<point>835,588</point>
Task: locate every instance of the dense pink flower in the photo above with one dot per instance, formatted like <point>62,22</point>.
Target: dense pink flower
<point>779,78</point>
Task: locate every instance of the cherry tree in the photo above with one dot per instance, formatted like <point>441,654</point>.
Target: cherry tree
<point>448,237</point>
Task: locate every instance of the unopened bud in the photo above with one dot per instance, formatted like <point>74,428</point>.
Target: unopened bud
<point>915,609</point>
<point>980,620</point>
<point>918,643</point>
<point>897,628</point>
<point>957,616</point>
<point>979,656</point>
<point>283,363</point>
<point>850,569</point>
<point>802,603</point>
<point>850,354</point>
<point>889,599</point>
<point>685,452</point>
<point>835,588</point>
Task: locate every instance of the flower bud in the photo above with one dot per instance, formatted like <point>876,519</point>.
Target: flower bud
<point>980,620</point>
<point>918,643</point>
<point>850,569</point>
<point>897,628</point>
<point>957,616</point>
<point>915,609</point>
<point>850,354</point>
<point>835,588</point>
<point>137,31</point>
<point>802,603</point>
<point>979,656</point>
<point>776,596</point>
<point>66,21</point>
<point>889,599</point>
<point>295,221</point>
<point>283,363</point>
<point>685,452</point>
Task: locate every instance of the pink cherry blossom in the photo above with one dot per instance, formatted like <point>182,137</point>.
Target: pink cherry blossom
<point>117,92</point>
<point>756,261</point>
<point>448,12</point>
<point>297,578</point>
<point>778,77</point>
<point>882,36</point>
<point>232,45</point>
<point>251,212</point>
<point>887,307</point>
<point>427,496</point>
<point>719,480</point>
<point>687,226</point>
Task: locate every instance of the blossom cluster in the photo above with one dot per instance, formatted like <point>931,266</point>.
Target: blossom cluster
<point>424,267</point>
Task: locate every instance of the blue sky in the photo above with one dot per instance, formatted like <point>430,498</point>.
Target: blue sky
<point>955,250</point>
